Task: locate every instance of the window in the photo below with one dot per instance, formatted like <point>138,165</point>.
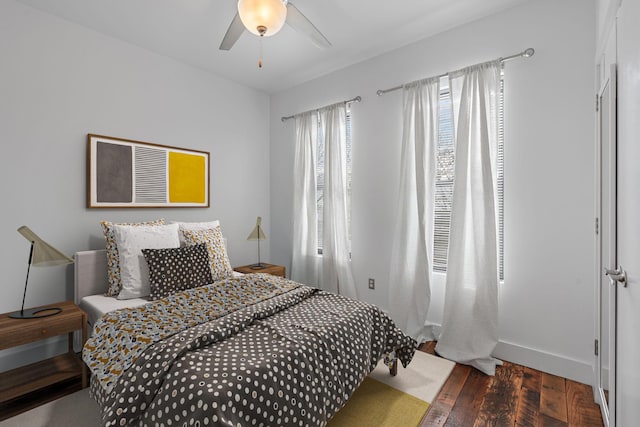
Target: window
<point>444,183</point>
<point>320,179</point>
<point>445,177</point>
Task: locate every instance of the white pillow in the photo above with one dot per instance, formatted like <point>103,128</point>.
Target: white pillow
<point>195,226</point>
<point>134,270</point>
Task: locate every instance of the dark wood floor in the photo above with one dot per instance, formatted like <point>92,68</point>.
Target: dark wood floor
<point>515,396</point>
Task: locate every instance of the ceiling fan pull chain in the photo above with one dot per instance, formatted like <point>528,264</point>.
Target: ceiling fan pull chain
<point>260,57</point>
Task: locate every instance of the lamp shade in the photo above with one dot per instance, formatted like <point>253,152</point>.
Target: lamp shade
<point>265,15</point>
<point>257,233</point>
<point>43,253</point>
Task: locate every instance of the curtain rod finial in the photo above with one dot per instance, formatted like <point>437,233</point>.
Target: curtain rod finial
<point>528,52</point>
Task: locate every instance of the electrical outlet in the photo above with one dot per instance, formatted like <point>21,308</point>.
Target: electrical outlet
<point>372,283</point>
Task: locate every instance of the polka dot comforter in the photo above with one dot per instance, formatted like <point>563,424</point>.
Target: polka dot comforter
<point>252,351</point>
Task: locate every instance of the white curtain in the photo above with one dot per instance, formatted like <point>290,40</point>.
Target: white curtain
<point>332,270</point>
<point>305,262</point>
<point>411,256</point>
<point>470,319</point>
<point>336,259</point>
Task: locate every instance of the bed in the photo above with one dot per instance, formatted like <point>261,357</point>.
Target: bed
<point>245,350</point>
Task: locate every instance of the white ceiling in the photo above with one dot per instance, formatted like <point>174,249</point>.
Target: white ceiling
<point>191,31</point>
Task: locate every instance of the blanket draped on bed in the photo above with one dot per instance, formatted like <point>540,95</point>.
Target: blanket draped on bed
<point>255,350</point>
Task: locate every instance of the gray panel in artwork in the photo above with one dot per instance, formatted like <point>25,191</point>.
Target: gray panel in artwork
<point>151,175</point>
<point>114,173</point>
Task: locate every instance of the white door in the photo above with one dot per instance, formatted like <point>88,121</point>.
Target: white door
<point>606,288</point>
<point>628,218</point>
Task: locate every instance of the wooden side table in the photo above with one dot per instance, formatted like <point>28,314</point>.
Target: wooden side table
<point>27,379</point>
<point>276,270</point>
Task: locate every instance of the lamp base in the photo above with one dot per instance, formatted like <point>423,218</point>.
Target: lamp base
<point>258,266</point>
<point>35,313</point>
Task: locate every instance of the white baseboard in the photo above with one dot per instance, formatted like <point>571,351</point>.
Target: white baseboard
<point>550,363</point>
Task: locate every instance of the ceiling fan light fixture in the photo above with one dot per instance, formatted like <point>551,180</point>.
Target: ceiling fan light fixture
<point>256,15</point>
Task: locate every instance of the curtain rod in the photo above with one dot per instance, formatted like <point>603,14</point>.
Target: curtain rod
<point>524,54</point>
<point>348,101</point>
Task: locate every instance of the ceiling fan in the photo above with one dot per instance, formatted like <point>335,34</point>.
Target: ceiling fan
<point>266,18</point>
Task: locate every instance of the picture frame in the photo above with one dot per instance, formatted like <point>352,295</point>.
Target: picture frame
<point>124,173</point>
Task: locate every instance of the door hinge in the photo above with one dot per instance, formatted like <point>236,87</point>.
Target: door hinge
<point>597,226</point>
<point>595,349</point>
<point>597,103</point>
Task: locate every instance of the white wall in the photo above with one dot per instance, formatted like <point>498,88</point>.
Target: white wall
<point>546,301</point>
<point>605,14</point>
<point>60,81</point>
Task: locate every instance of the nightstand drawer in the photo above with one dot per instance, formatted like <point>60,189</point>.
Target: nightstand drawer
<point>16,332</point>
<point>41,331</point>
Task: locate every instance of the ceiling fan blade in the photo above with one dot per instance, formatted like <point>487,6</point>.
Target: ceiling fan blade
<point>234,32</point>
<point>300,23</point>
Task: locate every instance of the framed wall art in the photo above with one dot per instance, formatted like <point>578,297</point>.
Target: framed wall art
<point>123,173</point>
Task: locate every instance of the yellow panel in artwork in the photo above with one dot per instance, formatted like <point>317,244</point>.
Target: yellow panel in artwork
<point>187,174</point>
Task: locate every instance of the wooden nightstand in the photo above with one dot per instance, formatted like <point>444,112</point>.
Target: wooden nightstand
<point>27,379</point>
<point>276,270</point>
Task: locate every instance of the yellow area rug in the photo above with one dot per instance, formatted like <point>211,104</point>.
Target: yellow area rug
<point>377,404</point>
<point>400,401</point>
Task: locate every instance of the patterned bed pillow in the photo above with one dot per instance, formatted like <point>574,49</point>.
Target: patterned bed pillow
<point>193,226</point>
<point>173,270</point>
<point>113,256</point>
<point>218,259</point>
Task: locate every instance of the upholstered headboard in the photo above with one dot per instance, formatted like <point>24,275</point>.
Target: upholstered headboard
<point>91,277</point>
<point>90,274</point>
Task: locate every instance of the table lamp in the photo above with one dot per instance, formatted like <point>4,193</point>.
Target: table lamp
<point>257,234</point>
<point>41,254</point>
